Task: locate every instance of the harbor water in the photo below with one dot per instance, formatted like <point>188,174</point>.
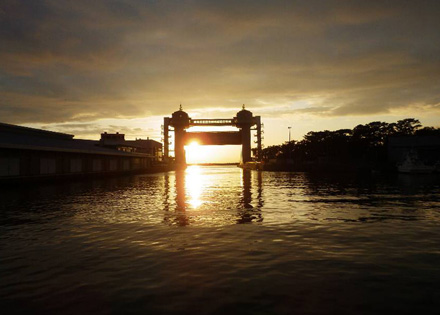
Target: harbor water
<point>216,240</point>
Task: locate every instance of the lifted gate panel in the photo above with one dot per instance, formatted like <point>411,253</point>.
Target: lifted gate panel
<point>214,138</point>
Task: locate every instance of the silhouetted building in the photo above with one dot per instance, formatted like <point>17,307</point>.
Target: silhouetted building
<point>29,152</point>
<point>149,146</point>
<point>117,141</point>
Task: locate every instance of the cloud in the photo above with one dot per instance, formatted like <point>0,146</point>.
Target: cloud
<point>66,61</point>
<point>94,130</point>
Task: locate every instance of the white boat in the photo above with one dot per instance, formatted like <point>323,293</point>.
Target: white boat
<point>412,164</point>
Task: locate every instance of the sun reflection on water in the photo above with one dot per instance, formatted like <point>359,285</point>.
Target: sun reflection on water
<point>213,196</point>
<point>194,185</point>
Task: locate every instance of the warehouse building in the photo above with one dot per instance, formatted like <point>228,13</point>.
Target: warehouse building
<point>35,153</point>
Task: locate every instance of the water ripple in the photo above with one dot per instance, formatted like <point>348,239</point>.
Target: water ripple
<point>220,239</point>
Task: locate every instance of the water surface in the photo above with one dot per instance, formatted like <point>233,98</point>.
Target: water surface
<point>212,240</point>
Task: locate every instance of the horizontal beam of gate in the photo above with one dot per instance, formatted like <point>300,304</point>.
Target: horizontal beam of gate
<point>212,122</point>
<point>213,138</point>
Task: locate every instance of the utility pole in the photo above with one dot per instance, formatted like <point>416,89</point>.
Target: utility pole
<point>288,145</point>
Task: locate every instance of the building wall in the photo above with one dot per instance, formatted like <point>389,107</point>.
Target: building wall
<point>48,166</point>
<point>97,165</point>
<point>16,163</point>
<point>9,166</point>
<point>113,165</point>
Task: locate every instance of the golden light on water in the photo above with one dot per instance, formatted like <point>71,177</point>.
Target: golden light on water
<point>194,185</point>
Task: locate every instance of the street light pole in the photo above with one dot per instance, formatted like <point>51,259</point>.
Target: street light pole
<point>288,146</point>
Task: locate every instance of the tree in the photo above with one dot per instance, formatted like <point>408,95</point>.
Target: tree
<point>271,152</point>
<point>372,134</point>
<point>362,146</point>
<point>406,127</point>
<point>428,131</point>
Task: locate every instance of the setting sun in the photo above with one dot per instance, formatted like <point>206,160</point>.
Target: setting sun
<point>196,153</point>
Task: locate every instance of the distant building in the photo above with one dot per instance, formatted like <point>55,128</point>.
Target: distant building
<point>149,146</point>
<point>33,153</point>
<point>117,141</point>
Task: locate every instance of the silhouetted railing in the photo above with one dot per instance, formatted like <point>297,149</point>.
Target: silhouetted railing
<point>212,122</point>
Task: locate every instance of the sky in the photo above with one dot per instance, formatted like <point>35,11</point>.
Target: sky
<point>84,67</point>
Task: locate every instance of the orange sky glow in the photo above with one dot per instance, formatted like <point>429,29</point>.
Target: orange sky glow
<point>85,67</point>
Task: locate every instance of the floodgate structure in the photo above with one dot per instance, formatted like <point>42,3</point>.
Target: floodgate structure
<point>28,153</point>
<point>244,121</point>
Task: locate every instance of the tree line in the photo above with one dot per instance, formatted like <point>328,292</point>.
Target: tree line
<point>363,145</point>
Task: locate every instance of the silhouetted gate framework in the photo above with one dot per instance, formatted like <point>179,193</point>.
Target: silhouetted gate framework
<point>181,121</point>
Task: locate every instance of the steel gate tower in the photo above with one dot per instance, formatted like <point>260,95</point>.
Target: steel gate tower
<point>180,121</point>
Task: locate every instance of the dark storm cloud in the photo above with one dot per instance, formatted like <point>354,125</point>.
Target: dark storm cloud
<point>94,130</point>
<point>84,60</point>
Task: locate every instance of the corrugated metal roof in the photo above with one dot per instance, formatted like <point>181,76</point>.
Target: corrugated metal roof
<point>33,131</point>
<point>13,137</point>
